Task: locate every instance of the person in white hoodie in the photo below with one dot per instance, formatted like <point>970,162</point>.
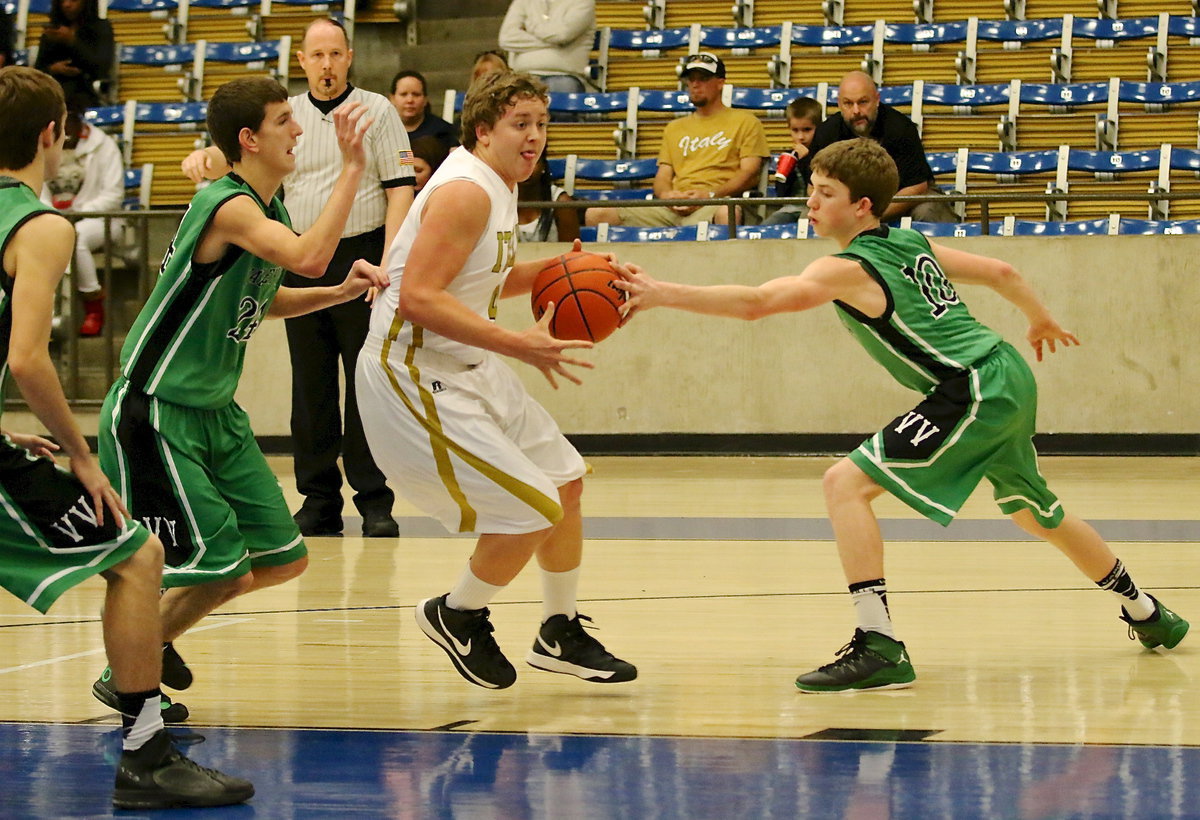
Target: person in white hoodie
<point>90,178</point>
<point>550,39</point>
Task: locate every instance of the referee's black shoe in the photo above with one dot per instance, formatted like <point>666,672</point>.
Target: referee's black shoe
<point>105,693</point>
<point>158,776</point>
<point>313,521</point>
<point>379,525</point>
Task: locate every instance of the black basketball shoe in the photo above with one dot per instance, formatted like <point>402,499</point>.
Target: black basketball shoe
<point>104,692</point>
<point>563,645</point>
<point>466,636</point>
<point>157,776</point>
<point>175,672</point>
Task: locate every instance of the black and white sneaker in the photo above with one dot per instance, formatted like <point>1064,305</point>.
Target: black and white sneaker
<point>564,646</point>
<point>466,636</point>
<point>157,776</point>
<point>104,692</point>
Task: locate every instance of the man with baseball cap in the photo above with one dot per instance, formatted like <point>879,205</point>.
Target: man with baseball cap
<point>711,153</point>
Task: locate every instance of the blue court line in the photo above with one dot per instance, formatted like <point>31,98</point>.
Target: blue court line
<point>817,529</point>
<point>53,772</point>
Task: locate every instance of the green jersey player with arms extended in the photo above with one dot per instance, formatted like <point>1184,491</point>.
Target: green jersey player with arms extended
<point>893,290</point>
<point>172,438</point>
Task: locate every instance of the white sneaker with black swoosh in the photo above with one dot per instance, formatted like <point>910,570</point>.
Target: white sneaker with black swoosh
<point>466,637</point>
<point>563,646</point>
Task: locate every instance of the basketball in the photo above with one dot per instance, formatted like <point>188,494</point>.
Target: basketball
<point>586,304</point>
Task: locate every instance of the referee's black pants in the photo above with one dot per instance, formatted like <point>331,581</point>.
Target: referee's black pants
<point>316,342</point>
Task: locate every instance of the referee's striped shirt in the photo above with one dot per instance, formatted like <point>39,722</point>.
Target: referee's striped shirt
<point>318,161</point>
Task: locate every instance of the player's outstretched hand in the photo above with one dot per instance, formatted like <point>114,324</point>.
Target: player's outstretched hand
<point>642,291</point>
<point>546,353</point>
<point>364,278</point>
<point>36,446</point>
<point>1049,333</point>
<point>350,123</point>
<point>87,470</point>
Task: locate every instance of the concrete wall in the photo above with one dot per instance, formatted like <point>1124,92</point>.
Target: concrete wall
<point>1133,302</point>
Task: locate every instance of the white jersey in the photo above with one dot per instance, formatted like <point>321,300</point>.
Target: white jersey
<point>479,282</point>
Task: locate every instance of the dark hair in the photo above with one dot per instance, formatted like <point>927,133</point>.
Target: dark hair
<point>863,166</point>
<point>90,12</point>
<point>400,75</point>
<point>29,101</point>
<point>240,104</point>
<point>430,149</point>
<point>804,108</point>
<point>488,98</point>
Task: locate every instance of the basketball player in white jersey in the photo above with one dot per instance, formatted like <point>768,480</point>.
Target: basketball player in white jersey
<point>447,419</point>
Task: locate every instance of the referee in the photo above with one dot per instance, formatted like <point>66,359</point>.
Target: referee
<point>322,342</point>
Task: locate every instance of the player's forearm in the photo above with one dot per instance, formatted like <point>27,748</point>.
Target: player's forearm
<point>42,391</point>
<point>318,243</point>
<point>441,313</point>
<point>732,301</point>
<point>291,302</point>
<point>1017,290</point>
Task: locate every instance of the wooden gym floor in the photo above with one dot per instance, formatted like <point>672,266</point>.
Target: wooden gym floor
<point>719,579</point>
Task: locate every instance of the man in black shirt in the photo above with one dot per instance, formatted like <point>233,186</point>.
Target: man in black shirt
<point>861,114</point>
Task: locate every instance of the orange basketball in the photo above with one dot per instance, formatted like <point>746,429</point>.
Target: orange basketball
<point>586,303</point>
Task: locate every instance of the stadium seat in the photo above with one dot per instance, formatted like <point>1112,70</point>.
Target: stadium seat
<point>157,72</point>
<point>632,233</point>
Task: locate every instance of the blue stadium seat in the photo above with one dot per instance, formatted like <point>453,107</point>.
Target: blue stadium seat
<point>632,233</point>
<point>142,5</point>
<point>731,38</point>
<point>1185,159</point>
<point>925,33</point>
<point>665,101</point>
<point>155,55</point>
<point>1112,162</point>
<point>965,95</point>
<point>1159,93</point>
<point>1188,27</point>
<point>948,228</point>
<point>1158,227</point>
<point>175,113</point>
<point>105,115</point>
<point>1020,31</point>
<point>1106,28</point>
<point>613,170</point>
<point>821,36</point>
<point>1082,227</point>
<point>594,194</point>
<point>942,162</point>
<point>768,99</point>
<point>786,231</point>
<point>249,52</point>
<point>585,102</point>
<point>653,40</point>
<point>1065,94</point>
<point>1013,162</point>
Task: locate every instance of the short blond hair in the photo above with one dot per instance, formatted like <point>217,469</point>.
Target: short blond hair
<point>863,166</point>
<point>489,97</point>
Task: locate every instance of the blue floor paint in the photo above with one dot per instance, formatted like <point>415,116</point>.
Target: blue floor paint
<point>52,771</point>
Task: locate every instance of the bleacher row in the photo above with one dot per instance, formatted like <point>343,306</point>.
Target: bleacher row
<point>175,52</point>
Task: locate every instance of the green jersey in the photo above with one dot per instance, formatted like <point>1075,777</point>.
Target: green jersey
<point>18,204</point>
<point>926,334</point>
<point>188,344</point>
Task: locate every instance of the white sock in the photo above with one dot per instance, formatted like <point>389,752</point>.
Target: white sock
<point>145,725</point>
<point>1137,603</point>
<point>560,593</point>
<point>470,592</point>
<point>870,605</point>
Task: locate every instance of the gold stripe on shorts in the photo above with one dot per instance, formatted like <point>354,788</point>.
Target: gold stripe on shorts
<point>442,445</point>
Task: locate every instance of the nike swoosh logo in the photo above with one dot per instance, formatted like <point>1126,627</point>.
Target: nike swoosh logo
<point>554,650</point>
<point>463,649</point>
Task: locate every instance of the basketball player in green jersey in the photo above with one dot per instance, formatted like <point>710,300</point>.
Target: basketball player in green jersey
<point>172,438</point>
<point>893,291</point>
<point>62,527</point>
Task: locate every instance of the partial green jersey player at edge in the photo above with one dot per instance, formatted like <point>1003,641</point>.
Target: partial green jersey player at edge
<point>172,438</point>
<point>894,291</point>
<point>64,526</point>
